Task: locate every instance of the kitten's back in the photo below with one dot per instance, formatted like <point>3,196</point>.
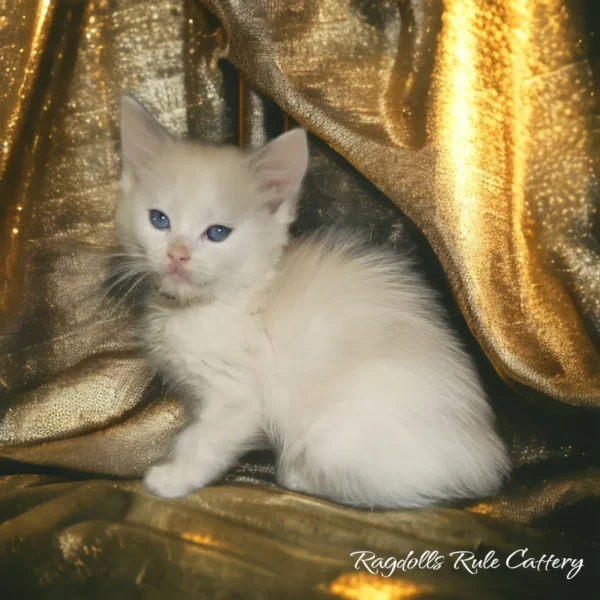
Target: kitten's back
<point>337,295</point>
<point>364,352</point>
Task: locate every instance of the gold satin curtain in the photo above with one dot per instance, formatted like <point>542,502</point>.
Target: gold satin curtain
<point>461,131</point>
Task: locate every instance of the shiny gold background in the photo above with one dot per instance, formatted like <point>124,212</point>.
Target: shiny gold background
<point>474,119</point>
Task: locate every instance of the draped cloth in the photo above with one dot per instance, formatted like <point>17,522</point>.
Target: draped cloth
<point>461,131</point>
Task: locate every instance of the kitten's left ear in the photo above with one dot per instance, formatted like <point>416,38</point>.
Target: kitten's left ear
<point>142,137</point>
<point>280,167</point>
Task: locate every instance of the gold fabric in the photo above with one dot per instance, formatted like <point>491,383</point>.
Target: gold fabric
<point>474,118</point>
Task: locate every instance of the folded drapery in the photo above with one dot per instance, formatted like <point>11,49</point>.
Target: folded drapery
<point>472,119</point>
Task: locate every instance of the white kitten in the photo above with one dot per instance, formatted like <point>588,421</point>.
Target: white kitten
<point>334,351</point>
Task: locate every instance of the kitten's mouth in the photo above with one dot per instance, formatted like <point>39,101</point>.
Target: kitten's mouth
<point>176,280</point>
<point>178,275</point>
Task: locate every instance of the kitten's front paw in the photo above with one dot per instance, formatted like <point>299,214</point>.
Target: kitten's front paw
<point>168,481</point>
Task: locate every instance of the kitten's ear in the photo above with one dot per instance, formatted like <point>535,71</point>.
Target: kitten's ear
<point>280,167</point>
<point>142,136</point>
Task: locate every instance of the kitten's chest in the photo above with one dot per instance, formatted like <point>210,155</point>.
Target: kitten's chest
<point>194,341</point>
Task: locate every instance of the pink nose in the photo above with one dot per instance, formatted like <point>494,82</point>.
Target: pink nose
<point>179,252</point>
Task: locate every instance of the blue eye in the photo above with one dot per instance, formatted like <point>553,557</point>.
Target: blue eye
<point>217,233</point>
<point>159,219</point>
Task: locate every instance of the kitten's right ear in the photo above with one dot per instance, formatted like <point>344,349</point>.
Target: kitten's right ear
<point>280,167</point>
<point>142,137</point>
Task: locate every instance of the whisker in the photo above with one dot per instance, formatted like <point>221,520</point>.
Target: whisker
<point>130,274</point>
<point>126,267</point>
<point>132,261</point>
<point>119,278</point>
<point>130,290</point>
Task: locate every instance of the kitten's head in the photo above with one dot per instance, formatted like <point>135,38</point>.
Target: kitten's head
<point>204,220</point>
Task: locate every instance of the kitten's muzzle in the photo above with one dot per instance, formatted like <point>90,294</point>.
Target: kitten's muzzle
<point>178,252</point>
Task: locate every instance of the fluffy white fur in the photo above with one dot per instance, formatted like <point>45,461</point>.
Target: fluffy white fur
<point>334,351</point>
